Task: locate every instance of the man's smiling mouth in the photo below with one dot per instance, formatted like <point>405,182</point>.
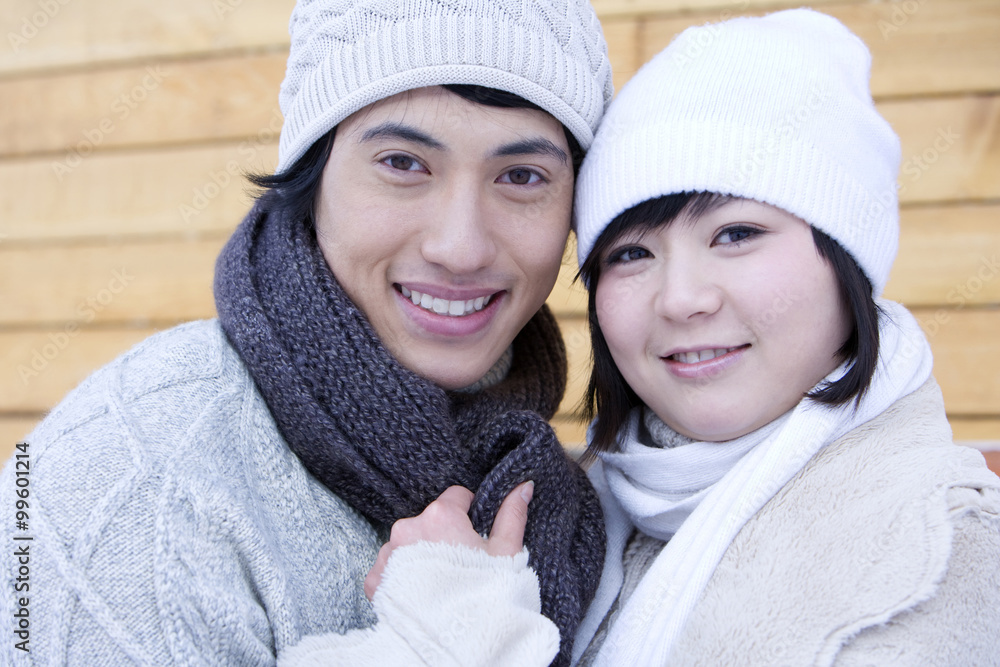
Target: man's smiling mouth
<point>448,307</point>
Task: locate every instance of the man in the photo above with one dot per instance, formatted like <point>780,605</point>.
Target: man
<point>221,491</point>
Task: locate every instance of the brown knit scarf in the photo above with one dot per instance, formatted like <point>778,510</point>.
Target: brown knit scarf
<point>388,441</point>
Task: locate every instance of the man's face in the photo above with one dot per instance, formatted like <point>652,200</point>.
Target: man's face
<point>445,223</point>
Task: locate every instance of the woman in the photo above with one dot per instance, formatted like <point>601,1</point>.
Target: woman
<point>777,471</point>
<point>222,490</point>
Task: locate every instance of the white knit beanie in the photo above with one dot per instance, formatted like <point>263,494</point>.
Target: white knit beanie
<point>346,54</point>
<point>775,109</point>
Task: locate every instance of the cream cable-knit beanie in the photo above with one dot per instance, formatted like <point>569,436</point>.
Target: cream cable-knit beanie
<point>776,109</point>
<point>346,54</point>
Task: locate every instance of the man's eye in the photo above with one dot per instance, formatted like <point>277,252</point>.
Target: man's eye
<point>522,177</point>
<point>402,162</point>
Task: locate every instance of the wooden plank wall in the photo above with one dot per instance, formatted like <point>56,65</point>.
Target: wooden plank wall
<point>126,125</point>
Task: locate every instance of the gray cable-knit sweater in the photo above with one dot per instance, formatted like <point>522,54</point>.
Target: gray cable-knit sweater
<point>171,524</point>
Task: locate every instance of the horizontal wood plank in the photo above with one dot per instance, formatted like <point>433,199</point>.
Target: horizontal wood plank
<point>178,190</point>
<point>188,189</point>
<point>983,431</point>
<point>40,367</point>
<point>45,34</point>
<point>950,151</point>
<point>118,282</point>
<point>950,147</point>
<point>966,348</point>
<point>925,48</point>
<point>76,114</point>
<point>947,255</point>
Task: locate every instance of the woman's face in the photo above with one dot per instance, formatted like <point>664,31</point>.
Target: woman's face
<point>445,222</point>
<point>722,324</point>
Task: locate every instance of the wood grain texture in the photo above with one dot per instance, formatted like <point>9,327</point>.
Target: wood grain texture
<point>114,282</point>
<point>46,34</point>
<point>984,430</point>
<point>38,368</point>
<point>623,38</point>
<point>918,48</point>
<point>175,190</point>
<point>73,115</point>
<point>948,255</point>
<point>966,348</point>
<point>950,147</point>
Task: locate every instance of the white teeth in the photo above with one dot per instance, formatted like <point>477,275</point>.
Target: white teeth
<point>703,355</point>
<point>444,306</point>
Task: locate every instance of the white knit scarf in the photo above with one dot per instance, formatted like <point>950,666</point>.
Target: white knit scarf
<point>700,517</point>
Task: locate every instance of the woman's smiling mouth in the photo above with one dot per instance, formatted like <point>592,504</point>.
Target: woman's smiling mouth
<point>699,356</point>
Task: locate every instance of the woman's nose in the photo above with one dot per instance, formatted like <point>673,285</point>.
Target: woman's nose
<point>686,290</point>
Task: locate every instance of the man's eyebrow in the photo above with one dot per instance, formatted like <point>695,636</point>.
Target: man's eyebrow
<point>538,146</point>
<point>391,130</point>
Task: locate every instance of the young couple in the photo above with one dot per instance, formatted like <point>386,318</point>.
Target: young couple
<point>306,480</point>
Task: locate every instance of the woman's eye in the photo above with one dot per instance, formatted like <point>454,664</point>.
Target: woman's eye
<point>735,235</point>
<point>403,163</point>
<point>627,254</point>
<point>521,177</point>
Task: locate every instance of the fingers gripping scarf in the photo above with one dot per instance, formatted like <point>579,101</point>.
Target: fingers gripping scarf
<point>388,441</point>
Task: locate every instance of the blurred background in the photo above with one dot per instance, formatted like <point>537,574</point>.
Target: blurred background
<point>126,125</point>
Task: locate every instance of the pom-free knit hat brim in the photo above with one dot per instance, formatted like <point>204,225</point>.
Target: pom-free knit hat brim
<point>775,109</point>
<point>349,54</point>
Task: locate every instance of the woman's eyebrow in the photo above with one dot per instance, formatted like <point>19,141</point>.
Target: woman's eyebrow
<point>392,130</point>
<point>539,146</point>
